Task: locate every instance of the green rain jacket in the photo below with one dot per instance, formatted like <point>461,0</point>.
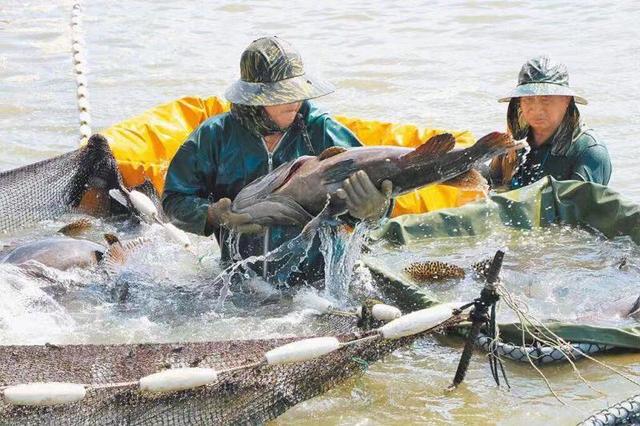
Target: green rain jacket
<point>221,157</point>
<point>586,160</point>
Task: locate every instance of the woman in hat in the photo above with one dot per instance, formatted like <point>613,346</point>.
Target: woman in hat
<point>543,109</point>
<point>271,122</point>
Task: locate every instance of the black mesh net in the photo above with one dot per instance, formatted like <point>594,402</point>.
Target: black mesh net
<point>80,180</point>
<point>76,181</point>
<point>248,396</point>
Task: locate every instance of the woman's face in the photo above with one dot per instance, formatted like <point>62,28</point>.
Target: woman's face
<point>283,115</point>
<point>544,113</point>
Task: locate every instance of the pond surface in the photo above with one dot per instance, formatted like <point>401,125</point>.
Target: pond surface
<point>439,64</point>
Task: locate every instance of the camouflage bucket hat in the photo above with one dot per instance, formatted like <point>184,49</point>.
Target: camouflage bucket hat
<point>542,77</point>
<point>271,73</point>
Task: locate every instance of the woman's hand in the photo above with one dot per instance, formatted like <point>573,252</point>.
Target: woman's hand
<point>363,199</point>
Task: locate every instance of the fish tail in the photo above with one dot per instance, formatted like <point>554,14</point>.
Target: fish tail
<point>118,253</point>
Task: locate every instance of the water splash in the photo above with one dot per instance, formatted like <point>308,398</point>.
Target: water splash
<point>28,314</point>
<point>294,251</point>
<point>341,249</point>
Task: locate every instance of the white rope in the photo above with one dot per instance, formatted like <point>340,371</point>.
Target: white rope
<point>80,72</point>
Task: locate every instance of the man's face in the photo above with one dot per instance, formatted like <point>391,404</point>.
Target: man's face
<point>284,114</point>
<point>544,113</point>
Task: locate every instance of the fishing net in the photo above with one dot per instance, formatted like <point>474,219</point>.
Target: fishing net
<point>584,339</point>
<point>626,412</point>
<point>251,395</point>
<point>80,181</point>
<point>76,181</point>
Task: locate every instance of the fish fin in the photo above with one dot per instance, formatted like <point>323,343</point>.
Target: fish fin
<point>496,143</point>
<point>117,254</point>
<point>330,152</point>
<point>111,239</point>
<point>76,227</point>
<point>471,180</point>
<point>340,171</point>
<point>437,145</point>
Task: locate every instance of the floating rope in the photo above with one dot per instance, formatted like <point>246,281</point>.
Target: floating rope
<point>622,413</point>
<point>417,323</point>
<point>540,354</point>
<point>80,72</point>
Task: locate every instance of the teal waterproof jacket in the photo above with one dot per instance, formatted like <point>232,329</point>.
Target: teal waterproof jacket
<point>221,157</point>
<point>586,160</point>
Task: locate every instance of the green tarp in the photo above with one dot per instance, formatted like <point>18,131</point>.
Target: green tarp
<point>547,201</point>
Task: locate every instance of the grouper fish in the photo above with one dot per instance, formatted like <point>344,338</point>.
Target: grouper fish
<point>297,191</point>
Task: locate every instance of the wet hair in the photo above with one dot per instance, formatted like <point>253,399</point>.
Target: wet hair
<point>562,137</point>
<point>257,121</point>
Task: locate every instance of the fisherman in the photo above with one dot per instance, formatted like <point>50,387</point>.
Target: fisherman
<point>542,109</point>
<point>271,122</point>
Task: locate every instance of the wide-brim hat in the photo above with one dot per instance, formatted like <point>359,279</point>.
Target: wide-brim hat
<point>272,73</point>
<point>541,77</point>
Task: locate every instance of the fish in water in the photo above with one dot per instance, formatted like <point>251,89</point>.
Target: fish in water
<point>64,253</point>
<point>298,191</point>
<point>434,270</point>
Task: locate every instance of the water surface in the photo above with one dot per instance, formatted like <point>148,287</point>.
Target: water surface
<point>440,64</point>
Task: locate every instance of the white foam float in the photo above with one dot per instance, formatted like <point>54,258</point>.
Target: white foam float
<point>311,300</point>
<point>81,80</point>
<point>177,234</point>
<point>83,103</point>
<point>177,379</point>
<point>85,117</point>
<point>85,130</point>
<point>302,350</point>
<point>43,394</point>
<point>418,321</point>
<point>83,92</point>
<point>386,313</point>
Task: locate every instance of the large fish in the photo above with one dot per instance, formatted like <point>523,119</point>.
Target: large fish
<point>297,191</point>
<point>64,253</point>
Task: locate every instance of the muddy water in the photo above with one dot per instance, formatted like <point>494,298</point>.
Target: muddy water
<point>440,64</point>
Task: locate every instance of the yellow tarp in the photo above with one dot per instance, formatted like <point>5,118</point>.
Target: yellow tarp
<point>144,146</point>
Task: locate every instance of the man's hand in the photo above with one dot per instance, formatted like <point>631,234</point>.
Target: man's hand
<point>363,199</point>
<point>220,214</point>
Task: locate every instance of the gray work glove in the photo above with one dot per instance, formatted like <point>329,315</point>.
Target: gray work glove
<point>220,214</point>
<point>363,199</point>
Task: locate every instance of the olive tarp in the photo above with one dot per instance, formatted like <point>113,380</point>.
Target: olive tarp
<point>546,202</point>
